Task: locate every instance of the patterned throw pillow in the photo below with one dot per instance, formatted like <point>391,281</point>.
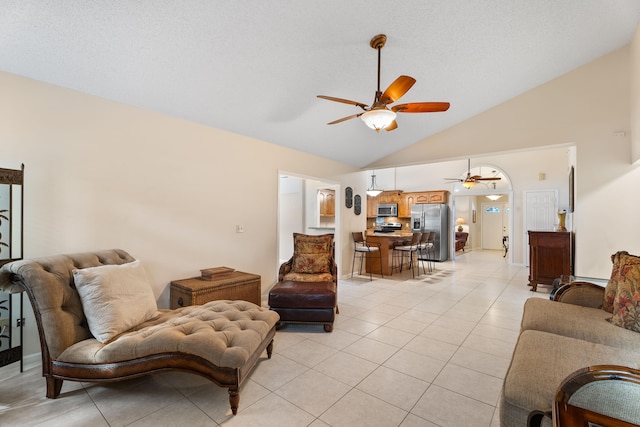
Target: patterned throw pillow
<point>612,286</point>
<point>305,244</point>
<point>626,305</point>
<point>312,254</point>
<point>312,263</point>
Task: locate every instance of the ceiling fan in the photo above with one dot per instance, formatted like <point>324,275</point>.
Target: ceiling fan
<point>470,181</point>
<point>379,115</point>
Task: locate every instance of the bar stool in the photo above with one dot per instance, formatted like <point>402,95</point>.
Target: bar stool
<point>363,249</point>
<point>411,249</point>
<point>431,250</point>
<point>423,252</point>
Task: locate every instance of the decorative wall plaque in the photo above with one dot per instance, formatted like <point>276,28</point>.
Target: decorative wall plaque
<point>348,195</point>
<point>357,205</point>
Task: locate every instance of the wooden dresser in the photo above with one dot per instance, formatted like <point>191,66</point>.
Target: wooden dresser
<point>549,257</point>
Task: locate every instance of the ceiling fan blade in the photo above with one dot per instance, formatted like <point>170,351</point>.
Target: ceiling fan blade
<point>344,119</point>
<point>344,101</point>
<point>399,87</point>
<point>421,107</point>
<point>393,125</point>
<point>488,179</point>
<point>454,179</point>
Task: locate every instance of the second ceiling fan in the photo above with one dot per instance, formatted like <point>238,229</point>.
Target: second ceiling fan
<point>470,180</point>
<point>379,116</point>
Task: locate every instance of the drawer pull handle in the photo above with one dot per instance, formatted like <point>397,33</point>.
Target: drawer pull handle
<point>180,302</point>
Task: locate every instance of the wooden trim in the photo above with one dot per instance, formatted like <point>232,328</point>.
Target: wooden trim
<point>569,287</point>
<point>567,415</point>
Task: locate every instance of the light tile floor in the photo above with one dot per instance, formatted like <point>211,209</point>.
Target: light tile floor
<point>429,351</point>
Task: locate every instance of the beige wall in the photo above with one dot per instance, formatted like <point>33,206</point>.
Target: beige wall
<point>105,175</point>
<point>635,96</point>
<point>585,107</point>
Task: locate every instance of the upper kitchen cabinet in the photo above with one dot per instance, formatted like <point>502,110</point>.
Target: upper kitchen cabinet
<point>327,202</point>
<point>372,203</point>
<point>438,196</point>
<point>410,199</point>
<point>405,200</point>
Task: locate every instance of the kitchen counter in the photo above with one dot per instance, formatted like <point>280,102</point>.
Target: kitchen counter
<point>387,241</point>
<point>394,234</point>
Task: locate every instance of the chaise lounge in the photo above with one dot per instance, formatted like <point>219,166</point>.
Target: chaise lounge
<point>85,335</point>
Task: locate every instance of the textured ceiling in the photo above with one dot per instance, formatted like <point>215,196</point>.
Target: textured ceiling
<point>255,67</point>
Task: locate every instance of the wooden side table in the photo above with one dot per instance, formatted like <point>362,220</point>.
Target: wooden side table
<point>549,257</point>
<point>233,286</point>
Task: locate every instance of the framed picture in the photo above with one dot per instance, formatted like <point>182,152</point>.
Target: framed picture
<point>571,184</point>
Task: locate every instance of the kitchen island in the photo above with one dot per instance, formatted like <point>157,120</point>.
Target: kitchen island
<point>387,241</point>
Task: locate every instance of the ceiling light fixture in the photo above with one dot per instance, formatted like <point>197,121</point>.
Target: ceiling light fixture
<point>468,183</point>
<point>378,119</point>
<point>373,191</point>
<point>494,197</point>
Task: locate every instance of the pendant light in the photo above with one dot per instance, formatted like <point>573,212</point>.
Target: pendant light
<point>373,191</point>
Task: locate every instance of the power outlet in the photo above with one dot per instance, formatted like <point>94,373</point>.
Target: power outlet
<point>239,228</point>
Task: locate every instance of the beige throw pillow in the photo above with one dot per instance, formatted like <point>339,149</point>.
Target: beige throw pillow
<point>114,298</point>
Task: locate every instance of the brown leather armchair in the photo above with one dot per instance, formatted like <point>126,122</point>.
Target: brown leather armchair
<point>461,240</point>
<point>307,286</point>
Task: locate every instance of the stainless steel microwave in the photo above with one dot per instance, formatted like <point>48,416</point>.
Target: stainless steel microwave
<point>387,209</point>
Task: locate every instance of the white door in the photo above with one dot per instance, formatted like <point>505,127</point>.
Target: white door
<point>494,224</point>
<point>540,214</point>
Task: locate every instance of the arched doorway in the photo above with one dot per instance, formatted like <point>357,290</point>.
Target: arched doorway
<point>484,211</point>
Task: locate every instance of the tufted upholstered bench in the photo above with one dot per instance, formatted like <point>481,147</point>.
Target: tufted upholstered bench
<point>221,340</point>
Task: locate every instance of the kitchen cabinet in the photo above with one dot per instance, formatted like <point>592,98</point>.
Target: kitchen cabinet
<point>549,257</point>
<point>437,197</point>
<point>372,207</point>
<point>404,200</point>
<point>327,202</point>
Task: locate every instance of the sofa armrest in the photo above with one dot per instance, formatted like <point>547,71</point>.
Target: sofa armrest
<point>585,294</point>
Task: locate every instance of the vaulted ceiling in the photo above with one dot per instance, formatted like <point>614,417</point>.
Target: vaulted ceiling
<point>255,67</point>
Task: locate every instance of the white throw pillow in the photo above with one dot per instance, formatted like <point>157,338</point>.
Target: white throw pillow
<point>114,298</point>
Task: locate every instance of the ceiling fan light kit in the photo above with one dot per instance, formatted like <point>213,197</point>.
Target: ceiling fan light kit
<point>378,116</point>
<point>378,119</point>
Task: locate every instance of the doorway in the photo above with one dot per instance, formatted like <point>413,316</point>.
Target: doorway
<point>495,224</point>
<point>486,211</point>
<point>540,207</point>
<point>299,211</point>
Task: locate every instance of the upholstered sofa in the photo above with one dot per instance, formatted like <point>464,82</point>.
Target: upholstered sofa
<point>461,240</point>
<point>573,331</point>
<point>98,321</point>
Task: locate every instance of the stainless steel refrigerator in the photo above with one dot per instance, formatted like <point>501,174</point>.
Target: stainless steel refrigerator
<point>433,217</point>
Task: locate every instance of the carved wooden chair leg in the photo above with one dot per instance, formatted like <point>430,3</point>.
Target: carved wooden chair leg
<point>54,385</point>
<point>234,400</point>
<point>269,349</point>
